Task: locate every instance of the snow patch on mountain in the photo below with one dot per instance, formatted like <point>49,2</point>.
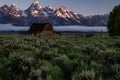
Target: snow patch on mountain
<point>24,14</point>
<point>35,13</point>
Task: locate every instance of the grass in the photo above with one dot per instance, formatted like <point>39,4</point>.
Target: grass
<point>63,58</point>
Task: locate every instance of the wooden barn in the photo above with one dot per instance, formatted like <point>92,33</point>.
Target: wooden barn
<point>42,29</point>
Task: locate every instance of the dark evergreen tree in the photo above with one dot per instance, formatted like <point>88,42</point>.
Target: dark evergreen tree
<point>114,22</point>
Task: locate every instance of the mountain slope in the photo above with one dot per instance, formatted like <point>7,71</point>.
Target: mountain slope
<point>38,14</point>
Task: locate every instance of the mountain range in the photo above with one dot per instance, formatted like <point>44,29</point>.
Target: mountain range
<point>36,13</point>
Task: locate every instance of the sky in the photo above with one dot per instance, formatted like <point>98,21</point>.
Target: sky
<point>84,7</point>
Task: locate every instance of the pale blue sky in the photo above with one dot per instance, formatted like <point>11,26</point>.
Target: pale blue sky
<point>84,7</point>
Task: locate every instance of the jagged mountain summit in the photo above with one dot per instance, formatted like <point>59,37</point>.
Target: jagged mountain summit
<point>36,13</point>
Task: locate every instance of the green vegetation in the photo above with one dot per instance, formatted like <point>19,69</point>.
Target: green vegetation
<point>33,58</point>
<point>114,22</point>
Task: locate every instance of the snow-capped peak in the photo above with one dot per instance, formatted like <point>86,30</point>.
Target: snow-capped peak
<point>63,9</point>
<point>5,7</point>
<point>36,2</point>
<point>63,12</point>
<point>15,7</point>
<point>50,7</point>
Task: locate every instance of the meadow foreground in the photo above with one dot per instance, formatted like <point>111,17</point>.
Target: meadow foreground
<point>33,58</point>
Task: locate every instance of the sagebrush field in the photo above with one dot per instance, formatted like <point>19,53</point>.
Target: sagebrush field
<point>47,58</point>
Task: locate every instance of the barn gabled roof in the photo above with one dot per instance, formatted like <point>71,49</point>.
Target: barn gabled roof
<point>39,27</point>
